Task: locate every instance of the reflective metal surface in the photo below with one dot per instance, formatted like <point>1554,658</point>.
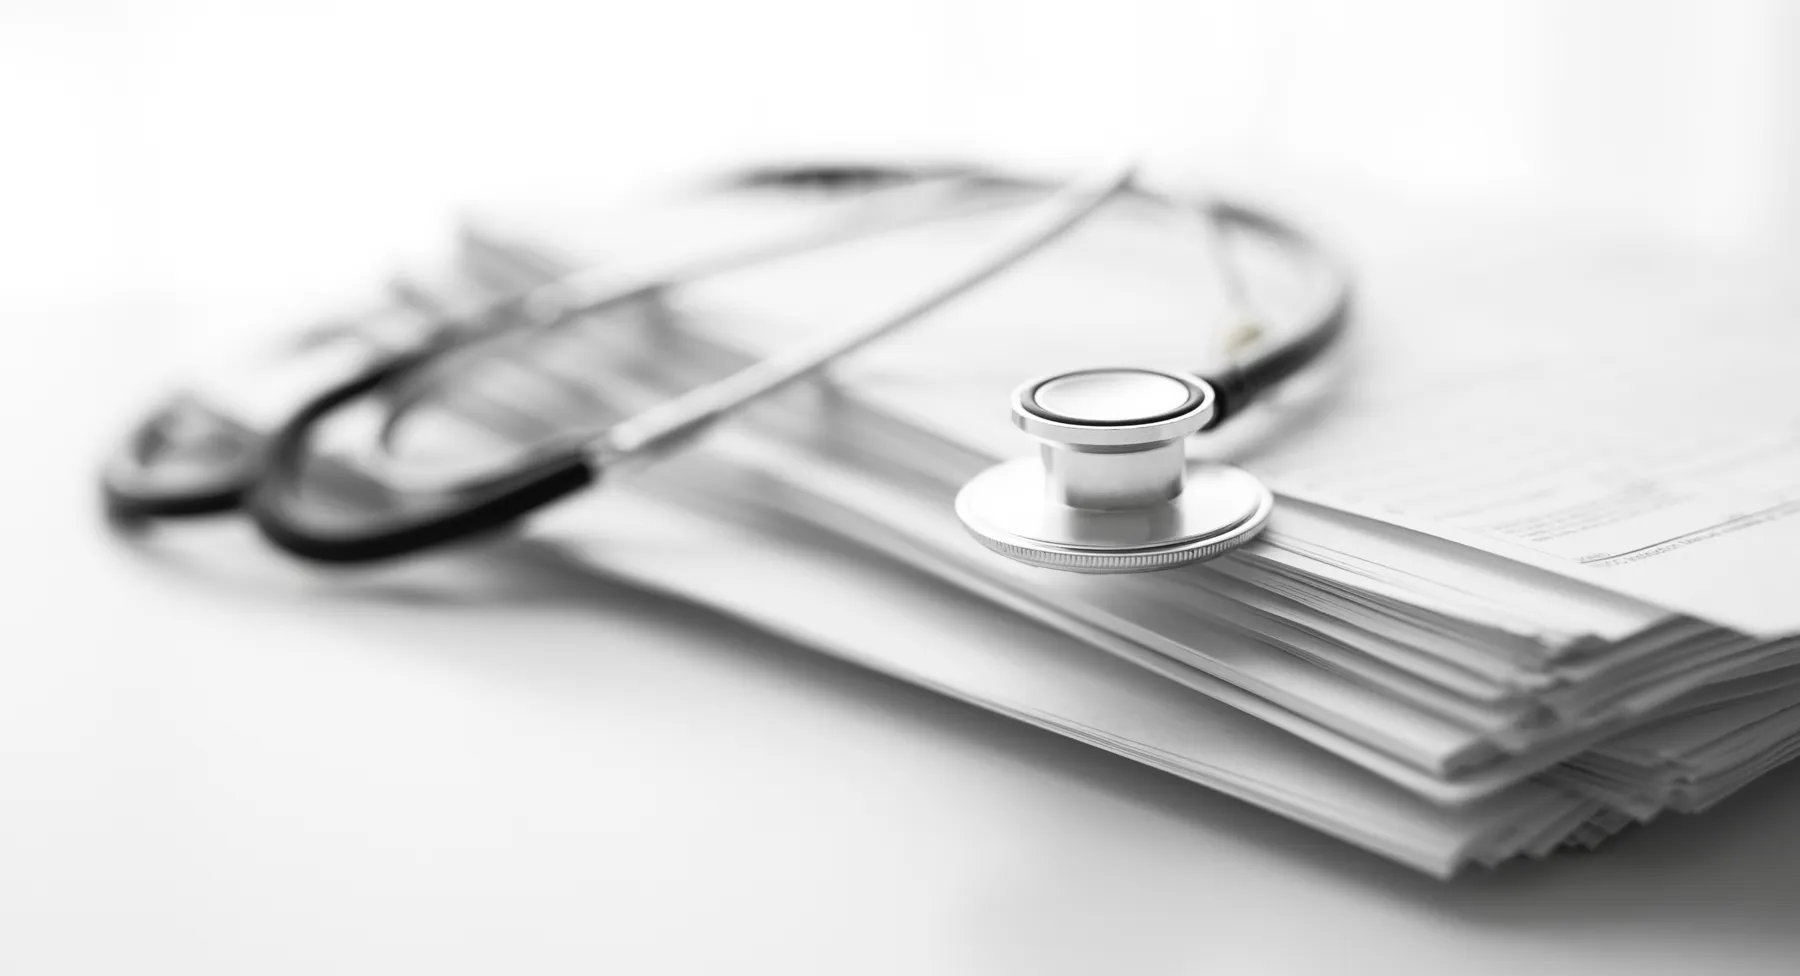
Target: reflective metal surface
<point>1111,396</point>
<point>1009,509</point>
<point>1112,491</point>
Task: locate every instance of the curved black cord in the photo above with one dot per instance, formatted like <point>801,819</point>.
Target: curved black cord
<point>134,488</point>
<point>1243,382</point>
<point>278,510</point>
<point>132,505</point>
<point>1239,385</point>
<point>857,177</point>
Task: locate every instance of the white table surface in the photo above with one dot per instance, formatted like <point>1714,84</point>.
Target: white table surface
<point>212,762</point>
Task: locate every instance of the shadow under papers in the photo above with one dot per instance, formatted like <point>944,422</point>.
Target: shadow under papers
<point>1732,870</point>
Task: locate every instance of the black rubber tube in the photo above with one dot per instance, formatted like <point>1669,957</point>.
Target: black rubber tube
<point>275,503</point>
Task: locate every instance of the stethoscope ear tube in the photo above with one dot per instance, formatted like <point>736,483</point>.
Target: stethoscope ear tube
<point>1246,381</point>
<point>137,484</point>
<point>285,507</point>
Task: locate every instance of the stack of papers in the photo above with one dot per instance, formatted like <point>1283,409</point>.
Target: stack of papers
<point>1526,581</point>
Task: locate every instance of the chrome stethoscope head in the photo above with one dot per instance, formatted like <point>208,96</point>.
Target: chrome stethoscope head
<point>1112,490</point>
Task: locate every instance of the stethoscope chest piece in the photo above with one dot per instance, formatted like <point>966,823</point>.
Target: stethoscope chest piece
<point>1112,490</point>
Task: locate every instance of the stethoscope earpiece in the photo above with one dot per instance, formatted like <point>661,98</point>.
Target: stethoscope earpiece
<point>1112,490</point>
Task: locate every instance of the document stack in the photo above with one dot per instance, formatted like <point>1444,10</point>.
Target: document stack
<point>1525,586</point>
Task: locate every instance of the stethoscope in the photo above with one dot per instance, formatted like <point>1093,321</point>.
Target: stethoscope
<point>1111,491</point>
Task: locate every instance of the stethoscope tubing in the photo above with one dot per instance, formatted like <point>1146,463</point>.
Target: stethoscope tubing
<point>551,473</point>
<point>135,491</point>
<point>269,477</point>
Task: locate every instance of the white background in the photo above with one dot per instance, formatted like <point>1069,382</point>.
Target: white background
<point>235,767</point>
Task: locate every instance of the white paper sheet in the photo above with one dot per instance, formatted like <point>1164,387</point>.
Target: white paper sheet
<point>1616,416</point>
